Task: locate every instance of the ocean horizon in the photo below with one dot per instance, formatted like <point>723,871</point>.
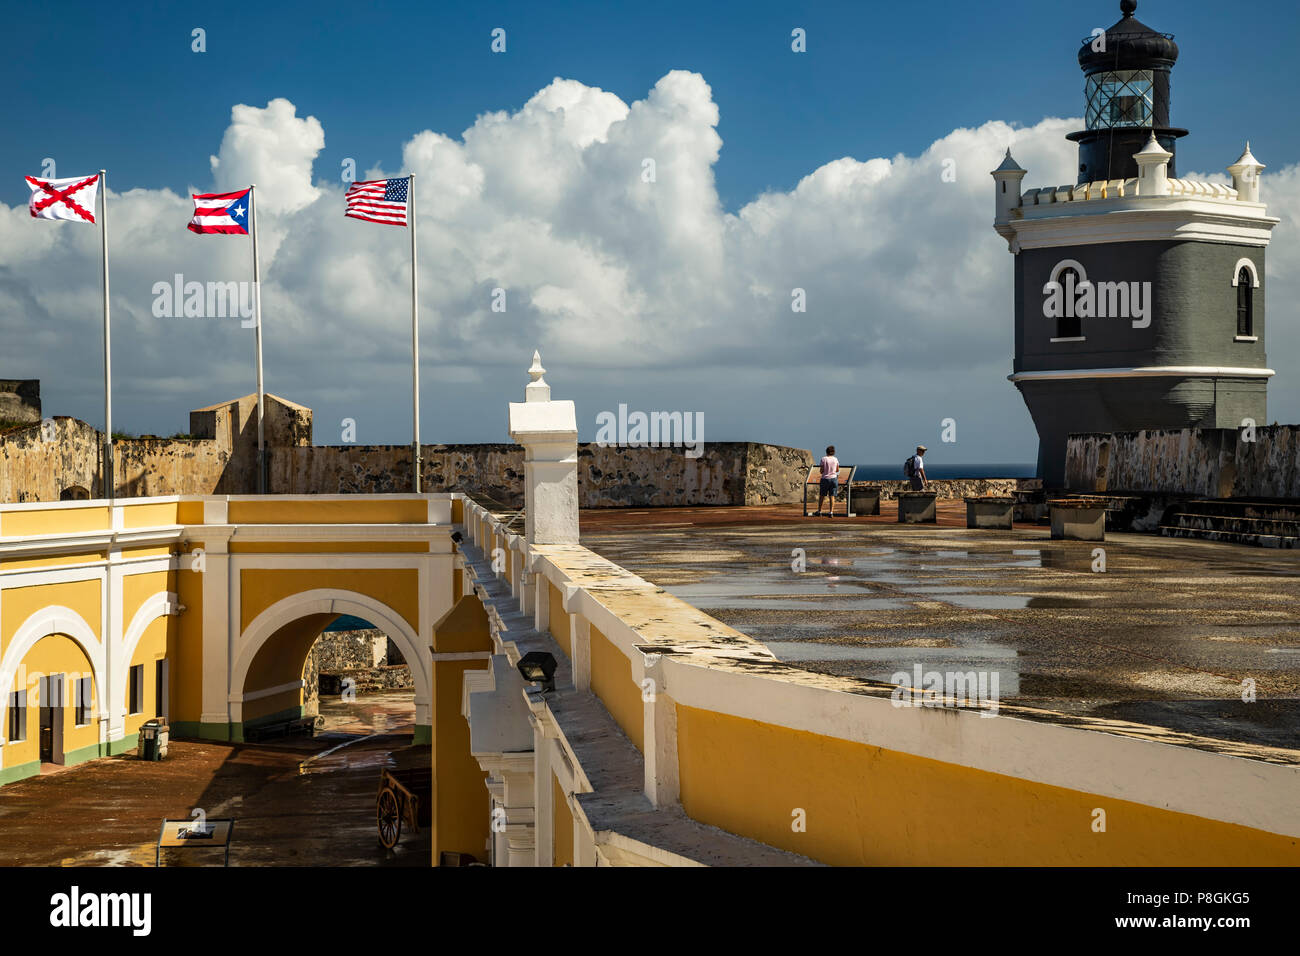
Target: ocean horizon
<point>936,470</point>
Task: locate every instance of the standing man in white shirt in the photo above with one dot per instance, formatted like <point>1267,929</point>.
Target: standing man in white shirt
<point>830,481</point>
<point>919,481</point>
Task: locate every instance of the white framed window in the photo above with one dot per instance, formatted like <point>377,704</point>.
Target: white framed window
<point>17,716</point>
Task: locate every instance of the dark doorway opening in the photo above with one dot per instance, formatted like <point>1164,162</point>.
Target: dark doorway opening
<point>160,677</point>
<point>51,691</point>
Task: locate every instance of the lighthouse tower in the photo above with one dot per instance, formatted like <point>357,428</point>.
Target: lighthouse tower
<point>1139,296</point>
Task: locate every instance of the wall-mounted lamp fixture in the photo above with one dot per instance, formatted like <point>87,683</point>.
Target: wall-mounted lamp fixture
<point>538,667</point>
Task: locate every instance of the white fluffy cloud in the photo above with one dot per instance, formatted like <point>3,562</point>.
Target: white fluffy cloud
<point>639,291</point>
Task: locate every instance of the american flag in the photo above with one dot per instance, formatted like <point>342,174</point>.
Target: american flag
<point>379,200</point>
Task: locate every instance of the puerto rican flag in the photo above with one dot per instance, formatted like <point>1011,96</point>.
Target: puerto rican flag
<point>221,212</point>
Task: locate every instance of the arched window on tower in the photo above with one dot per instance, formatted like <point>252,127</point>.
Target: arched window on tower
<point>1245,302</point>
<point>1069,326</point>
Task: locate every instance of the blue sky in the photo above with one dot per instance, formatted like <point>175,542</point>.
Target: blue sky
<point>878,80</point>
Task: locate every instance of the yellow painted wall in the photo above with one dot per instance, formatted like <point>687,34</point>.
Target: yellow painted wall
<point>561,826</point>
<point>611,681</point>
<point>866,806</point>
<point>55,654</point>
<point>21,603</point>
<point>358,511</point>
<point>149,515</point>
<point>186,650</point>
<point>51,561</point>
<point>160,551</point>
<point>152,648</point>
<point>395,587</point>
<point>189,512</point>
<point>138,588</point>
<point>328,547</point>
<point>559,620</point>
<point>461,804</point>
<point>54,520</point>
<point>457,511</point>
<point>281,660</point>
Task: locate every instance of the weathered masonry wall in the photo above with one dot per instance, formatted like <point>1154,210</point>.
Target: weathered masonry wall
<point>663,718</point>
<point>20,401</point>
<point>727,473</point>
<point>1209,462</point>
<point>960,487</point>
<point>59,459</point>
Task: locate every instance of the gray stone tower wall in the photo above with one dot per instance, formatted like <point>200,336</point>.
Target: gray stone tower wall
<point>1193,322</point>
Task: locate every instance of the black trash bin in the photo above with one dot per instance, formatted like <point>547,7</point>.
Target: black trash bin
<point>149,740</point>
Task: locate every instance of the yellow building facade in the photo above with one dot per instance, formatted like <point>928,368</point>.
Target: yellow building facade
<point>200,610</point>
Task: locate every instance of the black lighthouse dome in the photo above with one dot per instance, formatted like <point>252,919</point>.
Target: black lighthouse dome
<point>1126,92</point>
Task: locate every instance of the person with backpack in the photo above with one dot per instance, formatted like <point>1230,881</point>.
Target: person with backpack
<point>830,480</point>
<point>914,468</point>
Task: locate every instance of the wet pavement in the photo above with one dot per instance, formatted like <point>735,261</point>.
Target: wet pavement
<point>297,801</point>
<point>1168,634</point>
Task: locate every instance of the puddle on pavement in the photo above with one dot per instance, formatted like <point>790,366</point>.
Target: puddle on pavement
<point>884,663</point>
<point>140,855</point>
<point>1005,602</point>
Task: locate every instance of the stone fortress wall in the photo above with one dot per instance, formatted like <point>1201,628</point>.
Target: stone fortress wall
<point>59,458</point>
<point>1209,462</point>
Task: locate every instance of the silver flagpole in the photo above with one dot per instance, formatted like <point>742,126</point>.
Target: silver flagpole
<point>415,345</point>
<point>257,326</point>
<point>108,477</point>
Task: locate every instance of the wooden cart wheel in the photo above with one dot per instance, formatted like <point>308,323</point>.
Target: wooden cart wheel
<point>389,818</point>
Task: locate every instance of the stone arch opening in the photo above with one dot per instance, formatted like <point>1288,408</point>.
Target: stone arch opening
<point>44,720</point>
<point>268,682</point>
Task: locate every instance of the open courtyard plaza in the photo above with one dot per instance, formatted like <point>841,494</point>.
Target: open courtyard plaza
<point>1164,642</point>
<point>296,801</point>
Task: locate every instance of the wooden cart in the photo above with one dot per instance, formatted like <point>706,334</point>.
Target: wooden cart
<point>404,792</point>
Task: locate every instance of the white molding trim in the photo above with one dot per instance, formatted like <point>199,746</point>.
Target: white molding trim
<point>1069,338</point>
<point>461,656</point>
<point>105,540</point>
<point>1149,371</point>
<point>1126,220</point>
<point>1249,265</point>
<point>1245,338</point>
<point>340,532</point>
<point>162,604</point>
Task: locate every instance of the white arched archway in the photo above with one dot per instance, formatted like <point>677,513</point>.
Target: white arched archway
<point>1076,265</point>
<point>335,601</point>
<point>47,622</point>
<point>1249,266</point>
<point>158,605</point>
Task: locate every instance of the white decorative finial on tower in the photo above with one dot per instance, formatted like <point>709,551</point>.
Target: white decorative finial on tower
<point>1245,176</point>
<point>1153,168</point>
<point>537,390</point>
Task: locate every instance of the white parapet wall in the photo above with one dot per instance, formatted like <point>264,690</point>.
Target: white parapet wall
<point>671,738</point>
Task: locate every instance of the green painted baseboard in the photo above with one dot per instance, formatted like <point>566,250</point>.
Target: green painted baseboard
<point>82,754</point>
<point>129,742</point>
<point>214,731</point>
<point>184,728</point>
<point>19,772</point>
